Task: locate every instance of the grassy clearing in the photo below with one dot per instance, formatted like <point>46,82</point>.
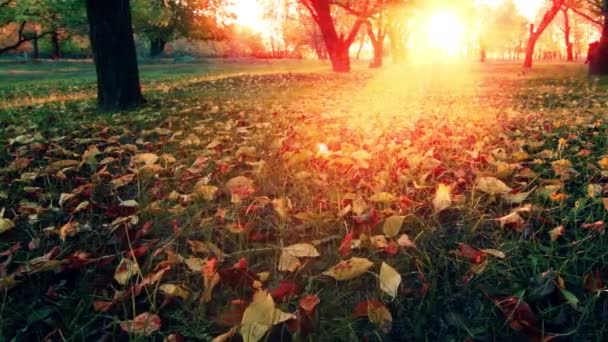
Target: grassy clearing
<point>399,131</point>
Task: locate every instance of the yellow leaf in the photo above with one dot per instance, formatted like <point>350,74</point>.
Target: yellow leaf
<point>512,218</point>
<point>125,270</point>
<point>282,206</point>
<point>62,164</point>
<point>288,262</point>
<point>516,198</point>
<point>562,163</point>
<point>302,250</point>
<point>359,206</point>
<point>349,269</point>
<point>492,185</point>
<point>494,252</point>
<point>238,182</point>
<point>594,190</point>
<point>175,291</point>
<point>207,192</point>
<point>383,197</point>
<point>392,225</point>
<point>227,336</point>
<point>442,199</point>
<point>280,316</point>
<point>195,264</point>
<point>6,224</point>
<point>605,203</point>
<point>390,280</point>
<point>145,158</point>
<point>555,233</point>
<point>68,229</point>
<point>258,317</point>
<point>603,163</point>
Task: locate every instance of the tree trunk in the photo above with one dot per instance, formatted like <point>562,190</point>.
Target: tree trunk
<point>56,49</point>
<point>157,47</point>
<point>535,34</point>
<point>338,47</point>
<point>598,63</point>
<point>113,48</point>
<point>483,54</point>
<point>567,29</point>
<point>35,49</point>
<point>378,55</point>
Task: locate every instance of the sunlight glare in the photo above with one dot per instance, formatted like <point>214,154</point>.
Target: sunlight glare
<point>446,32</point>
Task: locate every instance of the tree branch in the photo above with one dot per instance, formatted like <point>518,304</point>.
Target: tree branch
<point>586,16</point>
<point>22,39</point>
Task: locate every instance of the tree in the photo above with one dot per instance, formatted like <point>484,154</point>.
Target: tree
<point>111,35</point>
<point>162,20</point>
<point>34,19</point>
<point>548,17</point>
<point>338,45</point>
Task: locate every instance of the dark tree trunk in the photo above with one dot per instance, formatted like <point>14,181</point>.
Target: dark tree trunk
<point>598,62</point>
<point>378,55</point>
<point>113,48</point>
<point>377,40</point>
<point>56,48</point>
<point>157,47</point>
<point>35,49</point>
<point>483,54</point>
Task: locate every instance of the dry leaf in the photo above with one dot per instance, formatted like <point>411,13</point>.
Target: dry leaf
<point>176,291</point>
<point>207,192</point>
<point>227,336</point>
<point>494,252</point>
<point>144,324</point>
<point>390,280</point>
<point>492,185</point>
<point>555,233</point>
<point>383,197</point>
<point>288,262</point>
<point>302,250</point>
<point>238,182</point>
<point>443,198</point>
<point>392,225</point>
<point>349,269</point>
<point>125,270</point>
<point>404,241</point>
<point>6,224</point>
<point>145,158</point>
<point>512,219</point>
<point>258,317</point>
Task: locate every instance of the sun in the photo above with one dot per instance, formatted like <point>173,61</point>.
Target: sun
<point>446,32</point>
<point>250,14</point>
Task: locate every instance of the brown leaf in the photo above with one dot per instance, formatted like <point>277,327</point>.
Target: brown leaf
<point>144,324</point>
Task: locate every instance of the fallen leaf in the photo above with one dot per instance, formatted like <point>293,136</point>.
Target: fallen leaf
<point>392,225</point>
<point>492,186</point>
<point>555,233</point>
<point>349,269</point>
<point>175,291</point>
<point>207,192</point>
<point>227,336</point>
<point>238,182</point>
<point>404,241</point>
<point>144,324</point>
<point>494,252</point>
<point>258,317</point>
<point>443,198</point>
<point>383,197</point>
<point>302,250</point>
<point>512,220</point>
<point>288,262</point>
<point>309,302</point>
<point>125,270</point>
<point>145,158</point>
<point>6,225</point>
<point>390,280</point>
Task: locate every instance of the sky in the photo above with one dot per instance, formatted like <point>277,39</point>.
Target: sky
<point>527,8</point>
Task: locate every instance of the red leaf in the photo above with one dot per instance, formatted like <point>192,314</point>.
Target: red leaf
<point>309,302</point>
<point>11,249</point>
<point>392,248</point>
<point>346,244</point>
<point>287,289</point>
<point>362,309</point>
<point>471,253</point>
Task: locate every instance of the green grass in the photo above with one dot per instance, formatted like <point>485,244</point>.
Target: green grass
<point>459,116</point>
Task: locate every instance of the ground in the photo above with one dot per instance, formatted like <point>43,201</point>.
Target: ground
<point>483,186</point>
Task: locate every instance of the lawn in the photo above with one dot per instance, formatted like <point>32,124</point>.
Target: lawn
<point>458,202</point>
